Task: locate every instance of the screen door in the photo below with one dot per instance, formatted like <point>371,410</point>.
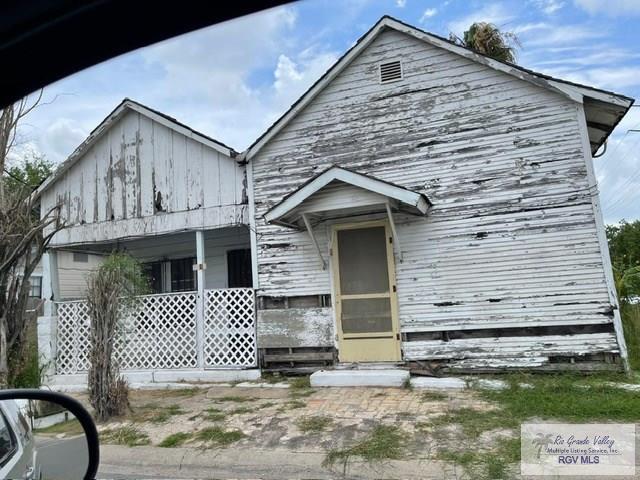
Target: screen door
<point>364,284</point>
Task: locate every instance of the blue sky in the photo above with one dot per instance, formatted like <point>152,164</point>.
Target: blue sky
<point>233,80</point>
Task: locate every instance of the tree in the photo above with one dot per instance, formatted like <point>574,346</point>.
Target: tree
<point>112,292</point>
<point>24,236</point>
<point>28,173</point>
<point>489,40</point>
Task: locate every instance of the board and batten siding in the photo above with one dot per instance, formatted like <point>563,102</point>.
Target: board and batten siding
<point>142,178</point>
<point>511,240</point>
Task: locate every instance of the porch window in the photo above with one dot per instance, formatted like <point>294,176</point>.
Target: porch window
<point>154,275</point>
<point>171,275</point>
<point>183,278</point>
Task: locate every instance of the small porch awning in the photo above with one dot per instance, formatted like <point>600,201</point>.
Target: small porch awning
<point>339,193</point>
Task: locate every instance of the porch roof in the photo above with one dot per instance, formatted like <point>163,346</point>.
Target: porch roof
<point>338,192</point>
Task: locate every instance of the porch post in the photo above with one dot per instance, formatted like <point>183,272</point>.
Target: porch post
<point>48,323</point>
<point>50,285</point>
<point>200,267</point>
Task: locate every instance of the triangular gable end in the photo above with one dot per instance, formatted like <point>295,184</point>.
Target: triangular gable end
<point>617,105</point>
<point>114,117</point>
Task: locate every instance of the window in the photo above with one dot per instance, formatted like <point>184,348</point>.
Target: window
<point>79,257</point>
<point>239,268</point>
<point>35,290</point>
<point>183,278</point>
<point>8,444</point>
<point>154,276</point>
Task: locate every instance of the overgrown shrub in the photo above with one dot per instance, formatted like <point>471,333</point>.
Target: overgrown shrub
<point>112,292</point>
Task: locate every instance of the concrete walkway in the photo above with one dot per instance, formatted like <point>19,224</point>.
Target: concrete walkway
<point>253,463</point>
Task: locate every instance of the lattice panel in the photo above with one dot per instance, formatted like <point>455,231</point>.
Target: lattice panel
<point>73,338</point>
<point>229,328</point>
<point>159,334</point>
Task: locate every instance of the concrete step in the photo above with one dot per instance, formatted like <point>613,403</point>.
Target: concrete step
<point>360,378</point>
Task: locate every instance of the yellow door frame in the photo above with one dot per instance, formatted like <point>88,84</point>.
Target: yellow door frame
<point>346,341</point>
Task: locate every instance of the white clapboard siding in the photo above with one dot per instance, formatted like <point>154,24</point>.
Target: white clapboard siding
<point>141,178</point>
<point>511,238</point>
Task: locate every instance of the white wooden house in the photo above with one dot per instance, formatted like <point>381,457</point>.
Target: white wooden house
<point>419,203</point>
<point>422,202</point>
<point>176,200</point>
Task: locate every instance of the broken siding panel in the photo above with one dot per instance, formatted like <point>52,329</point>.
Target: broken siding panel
<point>138,172</point>
<point>295,327</point>
<point>512,347</point>
<point>511,234</point>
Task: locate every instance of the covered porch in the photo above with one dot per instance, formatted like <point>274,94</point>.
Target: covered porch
<point>198,318</point>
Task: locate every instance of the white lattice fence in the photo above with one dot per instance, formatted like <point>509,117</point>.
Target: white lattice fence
<point>159,334</point>
<point>229,328</point>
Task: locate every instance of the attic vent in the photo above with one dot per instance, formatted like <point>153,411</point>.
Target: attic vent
<point>390,71</point>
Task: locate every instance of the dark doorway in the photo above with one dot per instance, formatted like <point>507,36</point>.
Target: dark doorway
<point>239,268</point>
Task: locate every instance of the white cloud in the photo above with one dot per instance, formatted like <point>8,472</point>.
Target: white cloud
<point>491,13</point>
<point>401,3</point>
<point>548,6</point>
<point>610,7</point>
<point>557,35</point>
<point>427,14</point>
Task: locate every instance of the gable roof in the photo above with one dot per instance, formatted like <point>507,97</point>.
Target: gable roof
<point>115,115</point>
<point>600,126</point>
<point>280,213</point>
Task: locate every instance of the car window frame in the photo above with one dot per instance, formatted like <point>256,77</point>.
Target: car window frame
<point>10,454</point>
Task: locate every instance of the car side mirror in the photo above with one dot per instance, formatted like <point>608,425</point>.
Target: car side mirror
<point>44,435</point>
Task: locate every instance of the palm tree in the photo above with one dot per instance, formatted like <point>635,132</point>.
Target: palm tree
<point>487,39</point>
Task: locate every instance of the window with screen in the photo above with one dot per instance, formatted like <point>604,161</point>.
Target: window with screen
<point>183,278</point>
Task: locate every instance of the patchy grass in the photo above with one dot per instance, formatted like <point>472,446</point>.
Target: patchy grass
<point>241,410</point>
<point>183,392</point>
<point>292,405</point>
<point>301,392</point>
<point>631,325</point>
<point>214,414</point>
<point>313,424</point>
<point>175,440</point>
<point>434,396</point>
<point>234,398</point>
<point>70,427</point>
<point>407,384</point>
<point>268,405</point>
<point>300,382</point>
<point>561,397</point>
<point>154,413</point>
<point>493,465</point>
<point>219,436</point>
<point>385,442</point>
<point>128,435</point>
<point>272,378</point>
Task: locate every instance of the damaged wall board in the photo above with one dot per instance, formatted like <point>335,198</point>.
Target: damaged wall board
<point>137,176</point>
<point>511,239</point>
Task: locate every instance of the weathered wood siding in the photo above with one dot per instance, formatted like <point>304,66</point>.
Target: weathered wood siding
<point>143,178</point>
<point>511,239</point>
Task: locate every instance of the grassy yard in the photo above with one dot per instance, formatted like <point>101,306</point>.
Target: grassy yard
<point>566,398</point>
